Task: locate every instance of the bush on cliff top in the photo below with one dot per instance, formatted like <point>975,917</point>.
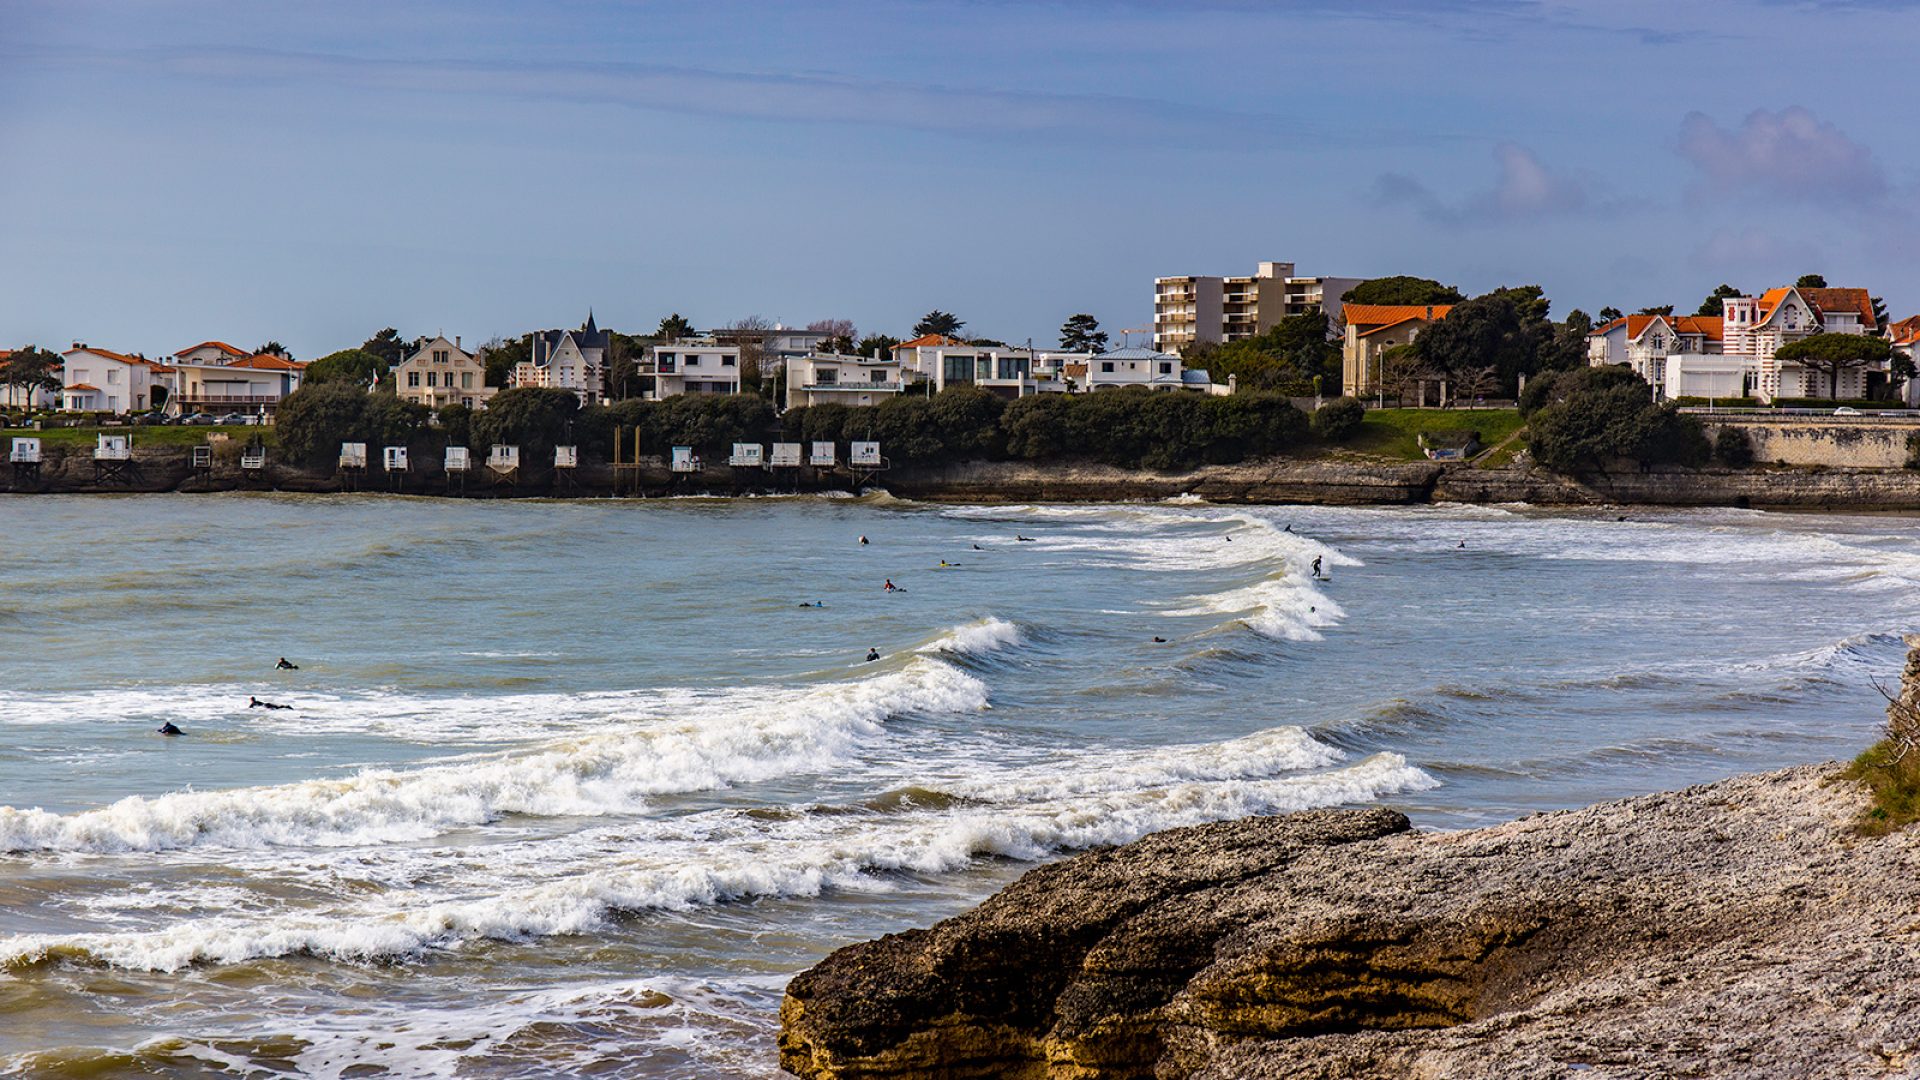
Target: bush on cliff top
<point>1892,779</point>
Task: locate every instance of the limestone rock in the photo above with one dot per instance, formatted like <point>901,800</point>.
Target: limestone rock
<point>1735,929</point>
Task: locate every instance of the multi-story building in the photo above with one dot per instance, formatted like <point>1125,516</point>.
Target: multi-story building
<point>441,373</point>
<point>1372,329</point>
<point>568,360</point>
<point>772,346</point>
<point>833,378</point>
<point>1195,310</point>
<point>101,380</point>
<point>690,366</point>
<point>215,377</point>
<point>1143,367</point>
<point>1643,343</point>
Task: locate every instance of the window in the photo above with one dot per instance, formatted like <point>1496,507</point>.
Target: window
<point>467,401</point>
<point>1106,366</point>
<point>1013,367</point>
<point>466,380</point>
<point>1166,368</point>
<point>113,376</point>
<point>693,361</point>
<point>440,356</point>
<point>879,376</point>
<point>959,369</point>
<point>413,379</point>
<point>433,378</point>
<point>729,361</point>
<point>826,376</point>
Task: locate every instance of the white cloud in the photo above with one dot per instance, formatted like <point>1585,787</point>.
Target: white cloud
<point>1791,154</point>
<point>1524,189</point>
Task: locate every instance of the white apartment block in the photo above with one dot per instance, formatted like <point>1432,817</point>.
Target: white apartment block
<point>1195,310</point>
<point>832,378</point>
<point>690,367</point>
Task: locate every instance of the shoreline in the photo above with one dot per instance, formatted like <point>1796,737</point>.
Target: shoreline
<point>1280,481</point>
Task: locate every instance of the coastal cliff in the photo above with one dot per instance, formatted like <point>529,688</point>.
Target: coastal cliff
<point>1735,929</point>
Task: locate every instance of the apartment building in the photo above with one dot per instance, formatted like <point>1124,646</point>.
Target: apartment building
<point>693,366</point>
<point>1193,310</point>
<point>833,378</point>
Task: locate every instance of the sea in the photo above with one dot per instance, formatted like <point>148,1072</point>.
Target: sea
<point>574,787</point>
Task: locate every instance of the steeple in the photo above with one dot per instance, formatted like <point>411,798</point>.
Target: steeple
<point>589,328</point>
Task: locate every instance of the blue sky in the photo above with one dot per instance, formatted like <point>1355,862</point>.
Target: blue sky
<point>311,172</point>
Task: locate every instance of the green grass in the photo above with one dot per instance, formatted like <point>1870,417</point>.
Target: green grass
<point>142,436</point>
<point>1893,780</point>
<point>1394,433</point>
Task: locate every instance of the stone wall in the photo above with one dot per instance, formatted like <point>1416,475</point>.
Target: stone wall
<point>1854,442</point>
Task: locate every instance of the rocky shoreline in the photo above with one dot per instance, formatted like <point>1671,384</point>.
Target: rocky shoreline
<point>1737,929</point>
<point>1284,481</point>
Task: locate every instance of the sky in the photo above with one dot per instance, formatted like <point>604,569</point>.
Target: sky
<point>172,172</point>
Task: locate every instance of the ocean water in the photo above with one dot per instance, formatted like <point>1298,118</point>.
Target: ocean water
<point>575,787</point>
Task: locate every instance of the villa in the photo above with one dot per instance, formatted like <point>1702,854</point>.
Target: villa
<point>567,360</point>
<point>441,373</point>
<point>1372,329</point>
<point>215,377</point>
<point>101,380</point>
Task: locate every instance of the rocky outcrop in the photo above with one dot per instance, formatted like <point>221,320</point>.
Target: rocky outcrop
<point>1736,929</point>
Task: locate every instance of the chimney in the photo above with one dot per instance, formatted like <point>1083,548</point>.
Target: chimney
<point>1429,312</point>
<point>456,342</point>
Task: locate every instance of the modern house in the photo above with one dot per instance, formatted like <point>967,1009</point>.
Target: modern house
<point>1192,310</point>
<point>441,373</point>
<point>775,345</point>
<point>568,360</point>
<point>918,358</point>
<point>690,366</point>
<point>997,369</point>
<point>1143,367</point>
<point>833,378</point>
<point>101,380</point>
<point>215,377</point>
<point>1372,329</point>
<point>1733,355</point>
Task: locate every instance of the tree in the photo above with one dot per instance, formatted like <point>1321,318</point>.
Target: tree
<point>1810,281</point>
<point>620,377</point>
<point>840,334</point>
<point>938,322</point>
<point>1402,289</point>
<point>314,420</point>
<point>1880,316</point>
<point>1835,353</point>
<point>502,356</point>
<point>1716,301</point>
<point>387,345</point>
<point>1608,314</point>
<point>1579,322</point>
<point>1595,419</point>
<point>1901,370</point>
<point>534,418</point>
<point>1475,384</point>
<point>1663,309</point>
<point>1284,358</point>
<point>29,369</point>
<point>1338,420</point>
<point>1082,333</point>
<point>673,328</point>
<point>1402,370</point>
<point>1733,447</point>
<point>878,346</point>
<point>274,348</point>
<point>356,367</point>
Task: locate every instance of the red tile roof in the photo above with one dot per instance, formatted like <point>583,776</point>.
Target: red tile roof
<point>83,386</point>
<point>122,357</point>
<point>268,362</point>
<point>930,341</point>
<point>221,345</point>
<point>1855,300</point>
<point>1906,331</point>
<point>1383,314</point>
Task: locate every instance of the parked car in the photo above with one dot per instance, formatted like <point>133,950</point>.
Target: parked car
<point>232,419</point>
<point>1846,410</point>
<point>196,418</point>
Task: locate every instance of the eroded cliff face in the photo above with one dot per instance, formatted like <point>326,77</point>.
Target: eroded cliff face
<point>1738,929</point>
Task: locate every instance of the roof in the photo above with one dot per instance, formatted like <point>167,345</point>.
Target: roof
<point>1397,322</point>
<point>1854,300</point>
<point>122,357</point>
<point>930,341</point>
<point>1906,331</point>
<point>268,362</point>
<point>220,345</point>
<point>1710,326</point>
<point>84,386</point>
<point>1136,352</point>
<point>1372,314</point>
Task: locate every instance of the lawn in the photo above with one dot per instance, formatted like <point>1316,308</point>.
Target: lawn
<point>142,436</point>
<point>1394,433</point>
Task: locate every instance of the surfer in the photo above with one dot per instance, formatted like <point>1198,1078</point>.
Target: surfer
<point>1316,566</point>
<point>168,729</point>
<point>872,654</point>
<point>977,547</point>
<point>1289,527</point>
<point>256,703</point>
<point>890,586</point>
<point>1023,539</point>
<point>1159,640</point>
<point>1462,544</point>
<point>816,603</point>
<point>863,541</point>
<point>283,665</point>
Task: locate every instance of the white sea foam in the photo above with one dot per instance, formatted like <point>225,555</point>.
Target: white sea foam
<point>737,739</point>
<point>977,639</point>
<point>1109,798</point>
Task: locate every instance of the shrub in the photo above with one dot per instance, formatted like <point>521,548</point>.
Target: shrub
<point>1338,420</point>
<point>1589,420</point>
<point>314,420</point>
<point>1733,447</point>
<point>456,423</point>
<point>534,418</point>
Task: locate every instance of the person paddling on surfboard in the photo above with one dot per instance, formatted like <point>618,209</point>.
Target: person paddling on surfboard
<point>890,586</point>
<point>169,730</point>
<point>283,665</point>
<point>872,654</point>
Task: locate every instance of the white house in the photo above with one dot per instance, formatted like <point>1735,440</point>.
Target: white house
<point>1732,355</point>
<point>997,369</point>
<point>441,373</point>
<point>833,378</point>
<point>101,380</point>
<point>568,360</point>
<point>215,377</point>
<point>694,366</point>
<point>1137,366</point>
<point>777,344</point>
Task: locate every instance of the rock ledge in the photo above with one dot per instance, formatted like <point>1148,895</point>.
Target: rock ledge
<point>1735,929</point>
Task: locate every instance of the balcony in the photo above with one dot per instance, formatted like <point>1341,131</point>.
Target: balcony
<point>191,398</point>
